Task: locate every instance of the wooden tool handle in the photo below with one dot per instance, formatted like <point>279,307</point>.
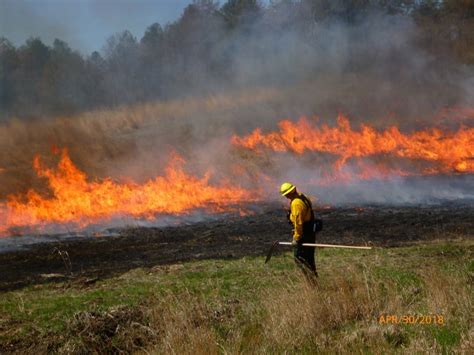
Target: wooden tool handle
<point>328,245</point>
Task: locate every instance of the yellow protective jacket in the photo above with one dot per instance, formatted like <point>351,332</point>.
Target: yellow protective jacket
<point>299,213</point>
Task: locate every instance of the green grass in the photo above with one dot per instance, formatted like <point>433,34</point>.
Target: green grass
<point>244,305</point>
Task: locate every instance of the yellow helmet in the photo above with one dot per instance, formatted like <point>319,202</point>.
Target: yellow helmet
<point>286,188</point>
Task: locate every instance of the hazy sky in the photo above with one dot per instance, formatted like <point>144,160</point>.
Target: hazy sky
<point>83,24</point>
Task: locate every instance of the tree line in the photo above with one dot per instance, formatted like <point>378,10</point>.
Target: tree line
<point>202,52</point>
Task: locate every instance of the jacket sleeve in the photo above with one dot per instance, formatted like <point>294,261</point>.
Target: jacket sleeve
<point>297,216</point>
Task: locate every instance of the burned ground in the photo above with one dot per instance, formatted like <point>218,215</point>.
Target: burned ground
<point>83,261</point>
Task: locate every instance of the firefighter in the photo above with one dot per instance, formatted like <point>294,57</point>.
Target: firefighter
<point>301,216</point>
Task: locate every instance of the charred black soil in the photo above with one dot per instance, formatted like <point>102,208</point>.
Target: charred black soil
<point>89,259</point>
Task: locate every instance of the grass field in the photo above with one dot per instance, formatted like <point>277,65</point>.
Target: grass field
<point>245,306</point>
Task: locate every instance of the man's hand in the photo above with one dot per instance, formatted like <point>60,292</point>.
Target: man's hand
<point>294,242</point>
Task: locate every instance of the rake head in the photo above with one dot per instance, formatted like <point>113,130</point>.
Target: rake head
<point>270,252</point>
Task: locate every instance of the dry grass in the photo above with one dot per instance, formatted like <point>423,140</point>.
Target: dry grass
<point>343,314</point>
<point>339,315</point>
<point>302,313</point>
<point>171,325</point>
<point>242,306</point>
<point>134,141</point>
<point>107,142</point>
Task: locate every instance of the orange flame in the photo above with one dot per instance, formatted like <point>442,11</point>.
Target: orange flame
<point>77,201</point>
<point>445,151</point>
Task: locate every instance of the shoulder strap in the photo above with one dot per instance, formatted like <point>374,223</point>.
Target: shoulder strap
<point>307,203</point>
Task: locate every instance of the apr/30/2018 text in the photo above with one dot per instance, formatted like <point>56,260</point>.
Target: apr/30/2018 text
<point>412,319</point>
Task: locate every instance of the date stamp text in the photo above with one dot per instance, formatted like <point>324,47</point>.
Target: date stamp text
<point>436,319</point>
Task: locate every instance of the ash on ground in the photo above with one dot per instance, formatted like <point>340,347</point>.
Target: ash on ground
<point>83,257</point>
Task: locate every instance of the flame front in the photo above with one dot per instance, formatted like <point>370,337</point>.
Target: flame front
<point>446,152</point>
<point>78,201</point>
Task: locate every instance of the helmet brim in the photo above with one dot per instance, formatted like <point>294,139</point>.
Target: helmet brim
<point>291,189</point>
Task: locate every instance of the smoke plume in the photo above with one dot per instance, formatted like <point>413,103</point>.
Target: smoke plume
<point>280,66</point>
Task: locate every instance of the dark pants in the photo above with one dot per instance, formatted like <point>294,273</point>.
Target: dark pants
<point>304,256</point>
